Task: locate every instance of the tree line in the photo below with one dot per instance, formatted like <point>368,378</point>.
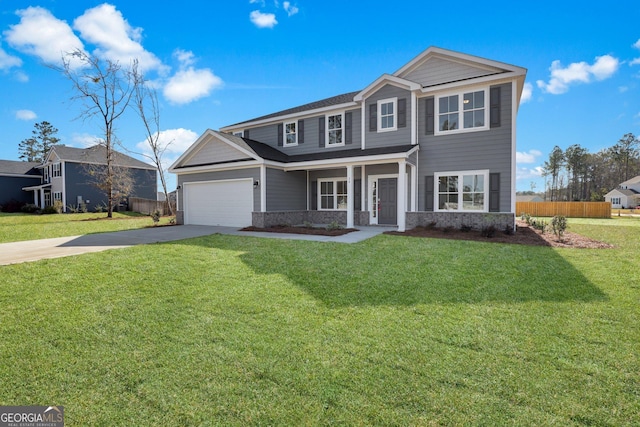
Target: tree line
<point>575,174</point>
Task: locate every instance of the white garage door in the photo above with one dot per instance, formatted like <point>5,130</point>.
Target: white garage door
<point>228,202</point>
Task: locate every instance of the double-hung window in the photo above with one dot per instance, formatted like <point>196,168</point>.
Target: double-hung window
<point>332,194</point>
<point>335,130</point>
<point>462,191</point>
<point>615,200</point>
<point>465,111</point>
<point>56,170</point>
<point>290,134</point>
<point>57,196</point>
<point>387,110</point>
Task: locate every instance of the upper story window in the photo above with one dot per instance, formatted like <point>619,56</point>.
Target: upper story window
<point>462,191</point>
<point>290,134</point>
<point>56,170</point>
<point>46,174</point>
<point>462,112</point>
<point>238,133</point>
<point>335,130</point>
<point>387,110</point>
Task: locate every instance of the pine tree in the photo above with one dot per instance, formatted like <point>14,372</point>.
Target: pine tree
<point>35,149</point>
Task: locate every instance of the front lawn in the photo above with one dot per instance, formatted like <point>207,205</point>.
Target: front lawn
<point>227,330</point>
<point>15,227</point>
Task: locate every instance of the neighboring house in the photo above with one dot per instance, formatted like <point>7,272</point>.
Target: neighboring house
<point>66,178</point>
<point>15,175</point>
<point>529,198</point>
<point>434,141</point>
<point>627,195</point>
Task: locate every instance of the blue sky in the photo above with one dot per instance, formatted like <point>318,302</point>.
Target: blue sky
<point>218,63</point>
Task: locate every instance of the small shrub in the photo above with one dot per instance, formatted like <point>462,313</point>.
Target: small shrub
<point>559,225</point>
<point>334,226</point>
<point>99,208</point>
<point>307,224</point>
<point>12,206</point>
<point>72,209</point>
<point>172,221</point>
<point>30,208</point>
<point>48,210</point>
<point>155,216</point>
<point>58,206</point>
<point>488,231</point>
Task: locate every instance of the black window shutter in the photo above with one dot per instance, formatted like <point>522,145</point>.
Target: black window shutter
<point>321,131</point>
<point>429,192</point>
<point>348,128</point>
<point>494,112</point>
<point>430,118</point>
<point>402,112</point>
<point>314,195</point>
<point>280,135</point>
<point>300,131</point>
<point>246,133</point>
<point>494,192</point>
<point>373,117</point>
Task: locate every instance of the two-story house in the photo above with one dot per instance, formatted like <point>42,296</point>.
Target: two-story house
<point>67,177</point>
<point>626,196</point>
<point>433,142</point>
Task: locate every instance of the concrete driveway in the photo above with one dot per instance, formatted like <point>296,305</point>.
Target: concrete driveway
<point>33,250</point>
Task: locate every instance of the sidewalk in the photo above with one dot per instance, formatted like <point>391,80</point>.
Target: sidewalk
<point>33,250</point>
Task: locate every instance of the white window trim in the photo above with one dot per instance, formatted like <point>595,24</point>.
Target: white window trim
<point>239,133</point>
<point>56,168</point>
<point>326,129</point>
<point>335,193</point>
<point>394,101</point>
<point>46,174</point>
<point>461,128</point>
<point>57,196</point>
<point>284,134</point>
<point>436,193</point>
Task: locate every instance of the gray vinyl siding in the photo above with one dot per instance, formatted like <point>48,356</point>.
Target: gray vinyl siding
<point>438,71</point>
<point>11,188</point>
<point>489,149</point>
<point>269,135</point>
<point>253,173</point>
<point>401,136</point>
<point>79,183</point>
<point>286,190</point>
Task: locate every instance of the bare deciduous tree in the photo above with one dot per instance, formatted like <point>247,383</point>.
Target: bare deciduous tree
<point>105,90</point>
<point>146,105</point>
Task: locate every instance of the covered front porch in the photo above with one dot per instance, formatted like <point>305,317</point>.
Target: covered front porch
<point>41,194</point>
<point>368,190</point>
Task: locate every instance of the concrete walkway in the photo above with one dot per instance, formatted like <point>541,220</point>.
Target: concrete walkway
<point>33,250</point>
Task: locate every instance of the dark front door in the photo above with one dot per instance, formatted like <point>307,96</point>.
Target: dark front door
<point>387,201</point>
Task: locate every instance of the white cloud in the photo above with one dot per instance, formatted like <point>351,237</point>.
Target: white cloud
<point>190,84</point>
<point>528,173</point>
<point>41,34</point>
<point>527,91</point>
<point>637,44</point>
<point>115,39</point>
<point>263,20</point>
<point>84,140</point>
<point>289,8</point>
<point>173,141</point>
<point>7,61</point>
<point>527,157</point>
<point>578,72</point>
<point>25,115</point>
<point>260,2</point>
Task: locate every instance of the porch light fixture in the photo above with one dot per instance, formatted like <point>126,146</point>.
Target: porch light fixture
<point>256,184</point>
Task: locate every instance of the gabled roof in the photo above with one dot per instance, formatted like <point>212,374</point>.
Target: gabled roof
<point>94,155</point>
<point>634,180</point>
<point>256,151</point>
<point>627,193</point>
<point>13,167</point>
<point>345,98</point>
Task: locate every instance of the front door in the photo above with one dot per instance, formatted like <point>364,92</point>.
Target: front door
<point>387,201</point>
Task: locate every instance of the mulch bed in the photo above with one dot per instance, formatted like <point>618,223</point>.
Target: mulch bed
<point>301,230</point>
<point>525,235</point>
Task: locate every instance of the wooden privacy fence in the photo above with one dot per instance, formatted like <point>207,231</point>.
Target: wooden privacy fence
<point>568,209</point>
<point>148,206</point>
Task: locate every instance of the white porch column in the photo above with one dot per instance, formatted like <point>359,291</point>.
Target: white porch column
<point>402,195</point>
<point>363,189</point>
<point>414,187</point>
<point>41,204</point>
<point>350,201</point>
<point>263,188</point>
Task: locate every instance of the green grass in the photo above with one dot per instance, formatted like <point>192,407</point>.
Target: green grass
<point>17,227</point>
<point>226,330</point>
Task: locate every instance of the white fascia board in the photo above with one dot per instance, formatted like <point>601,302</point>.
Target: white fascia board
<point>217,168</point>
<point>384,80</point>
<point>193,149</point>
<point>298,115</point>
<point>19,175</point>
<point>79,162</point>
<point>344,161</point>
<point>494,79</point>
